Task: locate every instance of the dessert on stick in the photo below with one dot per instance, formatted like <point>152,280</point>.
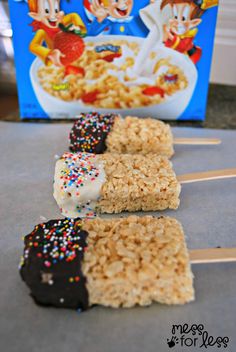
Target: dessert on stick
<point>117,262</point>
<point>98,133</point>
<point>112,183</point>
<point>76,263</point>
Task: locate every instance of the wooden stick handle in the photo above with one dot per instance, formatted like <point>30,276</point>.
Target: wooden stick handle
<point>207,176</point>
<point>212,255</point>
<point>197,141</point>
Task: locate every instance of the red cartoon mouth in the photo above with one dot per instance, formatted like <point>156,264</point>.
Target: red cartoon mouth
<point>52,23</point>
<point>122,12</point>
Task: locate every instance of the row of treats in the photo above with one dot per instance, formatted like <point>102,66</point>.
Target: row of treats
<point>113,165</point>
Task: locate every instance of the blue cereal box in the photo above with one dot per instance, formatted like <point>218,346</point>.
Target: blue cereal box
<point>132,57</point>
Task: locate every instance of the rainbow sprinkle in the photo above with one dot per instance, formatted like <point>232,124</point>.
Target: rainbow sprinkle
<point>78,170</point>
<point>75,176</point>
<point>55,241</point>
<point>89,131</point>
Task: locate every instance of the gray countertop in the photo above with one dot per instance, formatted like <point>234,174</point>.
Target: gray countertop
<point>221,109</point>
<point>207,213</point>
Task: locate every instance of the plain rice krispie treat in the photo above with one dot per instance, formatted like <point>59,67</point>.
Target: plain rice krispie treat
<point>133,135</point>
<point>137,182</point>
<point>97,133</point>
<point>112,183</point>
<point>112,262</point>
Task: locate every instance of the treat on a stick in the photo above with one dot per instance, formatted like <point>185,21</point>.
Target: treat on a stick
<point>112,183</point>
<point>98,133</point>
<point>116,262</point>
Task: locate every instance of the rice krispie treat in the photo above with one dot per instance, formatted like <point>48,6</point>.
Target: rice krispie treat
<point>112,183</point>
<point>117,262</point>
<point>97,133</point>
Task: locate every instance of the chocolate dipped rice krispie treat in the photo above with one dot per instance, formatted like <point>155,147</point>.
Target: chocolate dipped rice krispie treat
<point>116,262</point>
<point>98,133</point>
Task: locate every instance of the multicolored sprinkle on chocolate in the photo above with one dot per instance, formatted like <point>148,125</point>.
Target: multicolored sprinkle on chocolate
<point>51,264</point>
<point>90,131</point>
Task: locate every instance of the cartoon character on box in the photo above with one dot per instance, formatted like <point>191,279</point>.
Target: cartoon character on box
<point>116,17</point>
<point>180,32</point>
<point>57,38</point>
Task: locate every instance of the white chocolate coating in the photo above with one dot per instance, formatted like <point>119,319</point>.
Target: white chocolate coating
<point>77,184</point>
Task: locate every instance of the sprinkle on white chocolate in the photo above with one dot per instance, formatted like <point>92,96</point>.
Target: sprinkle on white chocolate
<point>77,184</point>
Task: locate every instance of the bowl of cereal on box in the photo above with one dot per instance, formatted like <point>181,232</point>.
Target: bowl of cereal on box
<point>103,78</point>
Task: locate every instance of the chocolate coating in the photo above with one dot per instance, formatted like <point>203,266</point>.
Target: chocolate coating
<point>90,131</point>
<point>51,265</point>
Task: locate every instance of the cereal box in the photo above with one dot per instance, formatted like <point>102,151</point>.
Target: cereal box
<point>132,57</point>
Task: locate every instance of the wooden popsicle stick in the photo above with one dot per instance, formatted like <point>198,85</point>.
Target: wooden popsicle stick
<point>212,255</point>
<point>207,176</point>
<point>197,141</point>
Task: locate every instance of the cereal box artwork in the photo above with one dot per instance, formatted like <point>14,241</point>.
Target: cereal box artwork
<point>130,57</point>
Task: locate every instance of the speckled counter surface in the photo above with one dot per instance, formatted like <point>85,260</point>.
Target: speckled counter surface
<point>207,213</point>
<point>221,108</point>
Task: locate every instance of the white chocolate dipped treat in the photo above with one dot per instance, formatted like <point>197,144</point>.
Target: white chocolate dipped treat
<point>113,183</point>
<point>77,184</point>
